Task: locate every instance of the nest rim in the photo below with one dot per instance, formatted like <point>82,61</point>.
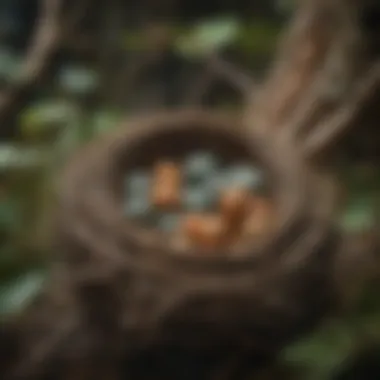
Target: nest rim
<point>288,194</point>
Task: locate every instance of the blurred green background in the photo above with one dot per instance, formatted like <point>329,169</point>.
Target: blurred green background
<point>130,58</point>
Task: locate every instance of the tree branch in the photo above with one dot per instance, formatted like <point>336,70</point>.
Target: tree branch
<point>232,75</point>
<point>327,132</point>
<point>45,43</point>
<point>299,57</point>
<point>218,68</point>
<point>333,81</point>
<point>318,28</point>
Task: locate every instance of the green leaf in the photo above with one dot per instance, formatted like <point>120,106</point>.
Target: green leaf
<point>285,6</point>
<point>259,37</point>
<point>10,215</point>
<point>208,37</point>
<point>18,293</point>
<point>69,140</point>
<point>105,120</point>
<point>45,116</point>
<point>9,63</point>
<point>320,354</point>
<point>78,80</point>
<point>359,214</point>
<point>15,158</point>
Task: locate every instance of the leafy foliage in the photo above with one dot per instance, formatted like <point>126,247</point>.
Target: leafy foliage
<point>44,116</point>
<point>319,355</point>
<point>17,293</point>
<point>208,37</point>
<point>9,64</point>
<point>78,80</point>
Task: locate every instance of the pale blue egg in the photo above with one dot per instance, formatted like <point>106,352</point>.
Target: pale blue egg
<point>244,176</point>
<point>198,198</point>
<point>200,165</point>
<point>137,182</point>
<point>214,185</point>
<point>136,207</point>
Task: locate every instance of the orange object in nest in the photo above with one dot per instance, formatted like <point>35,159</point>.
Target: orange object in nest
<point>260,219</point>
<point>167,184</point>
<point>234,208</point>
<point>204,230</point>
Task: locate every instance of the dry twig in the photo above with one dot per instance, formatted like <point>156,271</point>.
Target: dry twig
<point>218,68</point>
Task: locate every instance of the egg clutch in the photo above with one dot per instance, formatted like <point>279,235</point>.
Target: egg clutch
<point>199,202</point>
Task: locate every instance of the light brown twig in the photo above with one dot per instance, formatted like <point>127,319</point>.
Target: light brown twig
<point>218,68</point>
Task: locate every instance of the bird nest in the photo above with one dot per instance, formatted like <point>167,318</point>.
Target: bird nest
<point>257,295</point>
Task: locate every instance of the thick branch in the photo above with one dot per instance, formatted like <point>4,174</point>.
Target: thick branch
<point>332,83</point>
<point>316,61</point>
<point>300,55</point>
<point>320,81</point>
